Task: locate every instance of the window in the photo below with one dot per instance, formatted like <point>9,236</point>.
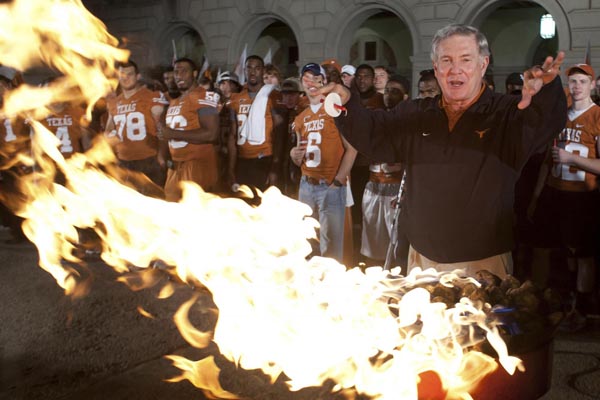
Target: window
<point>370,51</point>
<point>292,54</point>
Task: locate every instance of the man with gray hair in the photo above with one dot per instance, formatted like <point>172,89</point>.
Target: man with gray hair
<point>463,151</point>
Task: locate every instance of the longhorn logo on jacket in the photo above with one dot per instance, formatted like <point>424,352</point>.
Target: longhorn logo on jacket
<point>482,132</point>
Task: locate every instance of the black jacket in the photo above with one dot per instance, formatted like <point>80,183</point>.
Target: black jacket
<point>459,184</point>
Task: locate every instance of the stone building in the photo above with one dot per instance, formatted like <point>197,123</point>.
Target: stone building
<point>396,33</point>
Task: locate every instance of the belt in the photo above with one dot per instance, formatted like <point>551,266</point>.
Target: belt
<point>378,177</point>
<point>385,168</point>
<point>314,181</point>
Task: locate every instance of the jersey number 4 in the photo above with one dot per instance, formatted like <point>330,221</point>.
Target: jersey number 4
<point>66,145</point>
<point>10,134</point>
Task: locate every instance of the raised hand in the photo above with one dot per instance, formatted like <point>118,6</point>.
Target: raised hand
<point>534,78</point>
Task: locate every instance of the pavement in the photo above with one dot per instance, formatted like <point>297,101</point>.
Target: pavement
<point>100,346</point>
<point>576,365</point>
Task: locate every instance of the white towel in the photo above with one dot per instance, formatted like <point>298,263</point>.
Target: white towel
<point>253,128</point>
<point>349,198</point>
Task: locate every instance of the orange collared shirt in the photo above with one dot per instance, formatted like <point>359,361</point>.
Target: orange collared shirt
<point>454,116</point>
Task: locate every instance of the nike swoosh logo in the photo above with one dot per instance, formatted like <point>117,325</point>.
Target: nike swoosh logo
<point>426,134</point>
<point>578,126</point>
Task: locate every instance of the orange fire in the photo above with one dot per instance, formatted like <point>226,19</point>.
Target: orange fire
<point>313,319</point>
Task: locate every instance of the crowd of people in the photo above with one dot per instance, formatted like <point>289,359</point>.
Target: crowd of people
<point>458,175</point>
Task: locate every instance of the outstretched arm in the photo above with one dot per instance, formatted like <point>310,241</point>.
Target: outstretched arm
<point>375,133</point>
<point>340,89</point>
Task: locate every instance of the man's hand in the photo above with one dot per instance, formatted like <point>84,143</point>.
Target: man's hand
<point>340,89</point>
<point>161,160</point>
<point>531,209</point>
<point>297,154</point>
<point>272,179</point>
<point>167,133</point>
<point>561,156</point>
<point>229,179</point>
<point>112,138</point>
<point>536,77</point>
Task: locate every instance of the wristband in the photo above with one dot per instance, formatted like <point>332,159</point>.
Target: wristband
<point>337,183</point>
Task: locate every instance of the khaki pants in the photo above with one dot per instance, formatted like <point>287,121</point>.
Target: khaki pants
<point>500,265</point>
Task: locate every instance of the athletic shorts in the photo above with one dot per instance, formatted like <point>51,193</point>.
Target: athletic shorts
<point>378,218</point>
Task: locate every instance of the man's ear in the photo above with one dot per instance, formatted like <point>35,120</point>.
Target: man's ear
<point>485,63</point>
<point>195,74</point>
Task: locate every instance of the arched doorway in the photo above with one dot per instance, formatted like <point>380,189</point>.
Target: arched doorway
<point>383,39</point>
<point>513,32</point>
<point>183,41</point>
<point>279,40</point>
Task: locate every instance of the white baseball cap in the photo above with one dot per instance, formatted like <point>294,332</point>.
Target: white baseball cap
<point>348,69</point>
<point>227,76</point>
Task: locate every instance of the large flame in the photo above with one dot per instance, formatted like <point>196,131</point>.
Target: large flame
<point>312,320</point>
<point>64,36</point>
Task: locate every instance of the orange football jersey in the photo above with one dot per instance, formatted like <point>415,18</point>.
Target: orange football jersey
<point>324,147</point>
<point>182,115</point>
<point>578,137</point>
<point>240,103</point>
<point>277,99</point>
<point>134,124</point>
<point>66,127</point>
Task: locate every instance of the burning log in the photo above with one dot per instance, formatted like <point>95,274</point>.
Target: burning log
<point>526,318</point>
